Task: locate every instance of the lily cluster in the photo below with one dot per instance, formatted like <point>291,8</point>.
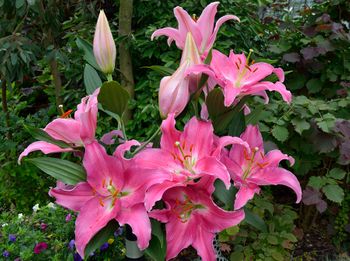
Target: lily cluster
<point>174,183</point>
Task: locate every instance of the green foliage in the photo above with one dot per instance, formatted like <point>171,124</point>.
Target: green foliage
<point>62,170</point>
<point>274,243</point>
<point>49,224</point>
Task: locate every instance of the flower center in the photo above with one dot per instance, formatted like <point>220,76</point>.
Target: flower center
<point>184,209</point>
<point>243,69</point>
<point>114,193</point>
<point>252,162</point>
<point>187,159</point>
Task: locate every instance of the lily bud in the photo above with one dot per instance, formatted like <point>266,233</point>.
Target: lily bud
<point>174,91</point>
<point>104,46</point>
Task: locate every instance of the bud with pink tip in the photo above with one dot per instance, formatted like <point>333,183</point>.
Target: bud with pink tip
<point>104,45</point>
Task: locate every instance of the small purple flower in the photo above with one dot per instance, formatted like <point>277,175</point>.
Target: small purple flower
<point>6,253</point>
<point>71,244</point>
<point>104,247</point>
<point>17,259</point>
<point>77,257</point>
<point>68,217</point>
<point>118,232</point>
<point>40,247</point>
<point>12,238</point>
<point>43,226</point>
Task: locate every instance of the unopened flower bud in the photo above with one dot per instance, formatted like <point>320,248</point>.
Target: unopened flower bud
<point>104,45</point>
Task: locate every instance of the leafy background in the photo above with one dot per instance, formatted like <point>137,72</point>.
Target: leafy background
<point>42,39</point>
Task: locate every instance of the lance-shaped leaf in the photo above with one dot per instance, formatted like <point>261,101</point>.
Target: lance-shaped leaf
<point>162,70</point>
<point>101,237</point>
<point>255,221</point>
<point>92,80</point>
<point>62,170</point>
<point>41,135</point>
<point>86,47</point>
<point>113,97</point>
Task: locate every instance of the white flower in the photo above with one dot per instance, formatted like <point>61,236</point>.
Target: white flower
<point>4,225</point>
<point>52,205</point>
<point>20,216</point>
<point>36,207</point>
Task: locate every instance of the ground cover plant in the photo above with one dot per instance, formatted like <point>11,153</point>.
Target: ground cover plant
<point>311,127</point>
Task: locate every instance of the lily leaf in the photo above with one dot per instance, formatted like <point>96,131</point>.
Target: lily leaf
<point>40,134</point>
<point>113,97</point>
<point>101,237</point>
<point>255,221</point>
<point>92,80</point>
<point>86,47</point>
<point>162,70</point>
<point>62,170</point>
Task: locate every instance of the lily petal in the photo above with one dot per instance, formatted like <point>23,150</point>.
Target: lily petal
<point>243,195</point>
<point>169,133</point>
<point>138,219</point>
<point>91,219</point>
<point>101,167</point>
<point>211,166</point>
<point>203,243</point>
<point>44,147</point>
<point>179,236</point>
<point>277,176</point>
<point>73,198</point>
<point>199,135</point>
<point>67,130</point>
<point>274,157</point>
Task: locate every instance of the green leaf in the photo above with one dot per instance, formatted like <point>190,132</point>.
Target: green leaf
<point>221,116</point>
<point>101,237</point>
<point>19,3</point>
<point>224,195</point>
<point>157,231</point>
<point>237,125</point>
<point>317,182</point>
<point>237,256</point>
<point>113,97</point>
<point>334,193</point>
<point>255,221</point>
<point>300,125</point>
<point>280,133</point>
<point>337,173</point>
<point>162,70</point>
<point>40,134</point>
<point>254,116</point>
<point>86,47</point>
<point>92,80</point>
<point>273,240</point>
<point>277,256</point>
<point>231,231</point>
<point>314,85</point>
<point>155,250</point>
<point>62,170</point>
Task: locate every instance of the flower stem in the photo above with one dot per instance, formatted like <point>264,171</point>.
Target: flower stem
<point>146,142</point>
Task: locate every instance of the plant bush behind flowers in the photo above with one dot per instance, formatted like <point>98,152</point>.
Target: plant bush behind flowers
<point>131,182</point>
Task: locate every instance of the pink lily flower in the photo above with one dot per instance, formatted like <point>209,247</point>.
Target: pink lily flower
<point>110,192</point>
<point>249,170</point>
<point>192,218</point>
<point>174,91</point>
<point>202,29</point>
<point>185,156</point>
<point>239,77</point>
<point>76,132</point>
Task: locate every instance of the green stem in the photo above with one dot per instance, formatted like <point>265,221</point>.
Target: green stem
<point>123,129</point>
<point>146,143</point>
<point>109,77</point>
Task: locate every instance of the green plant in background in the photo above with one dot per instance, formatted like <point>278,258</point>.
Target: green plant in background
<point>47,234</point>
<point>259,240</point>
